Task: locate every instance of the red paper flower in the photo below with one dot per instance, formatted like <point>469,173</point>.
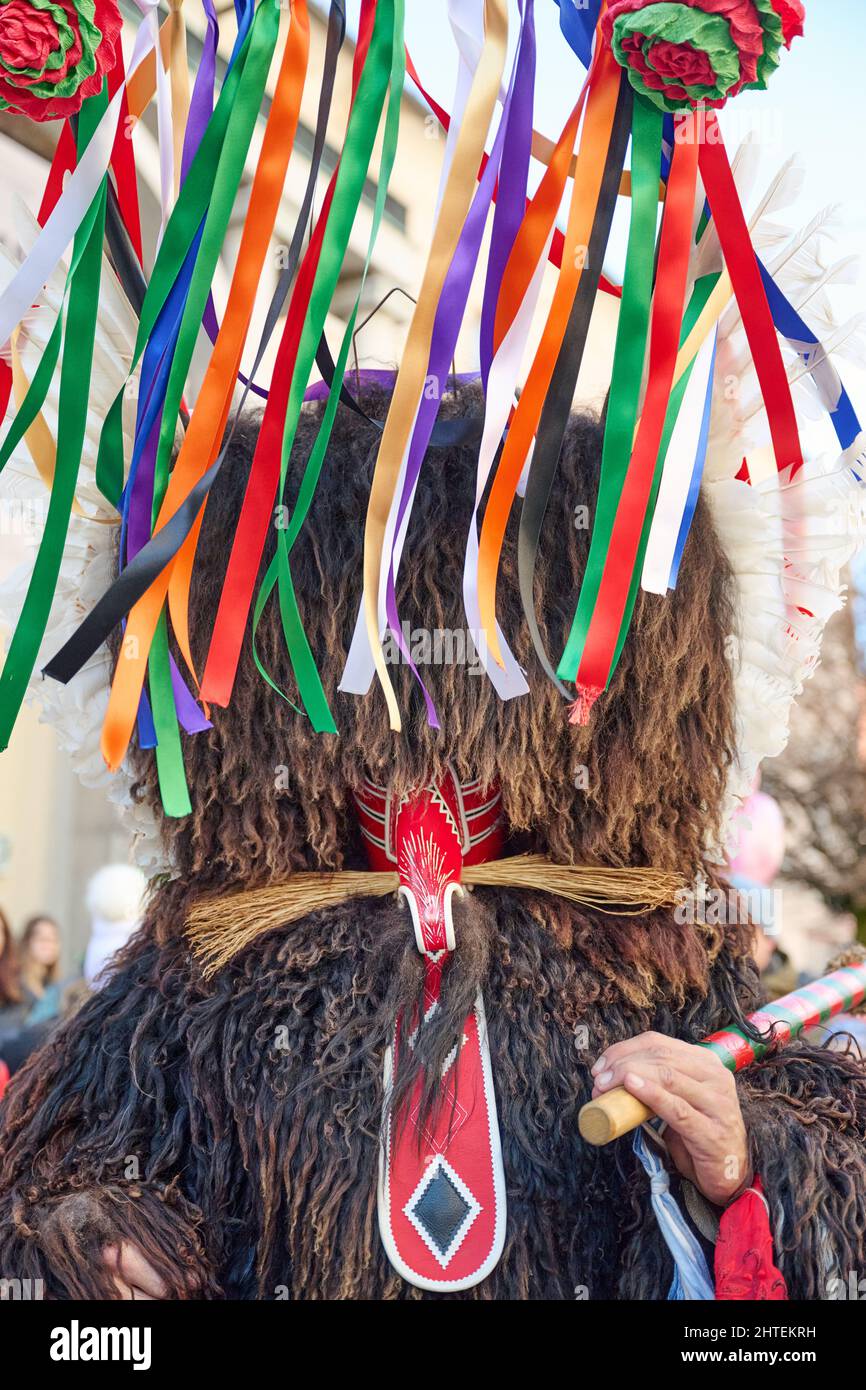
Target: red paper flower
<point>54,54</point>
<point>793,15</point>
<point>27,36</point>
<point>685,53</point>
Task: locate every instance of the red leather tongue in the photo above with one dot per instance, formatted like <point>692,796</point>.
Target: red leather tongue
<point>441,1185</point>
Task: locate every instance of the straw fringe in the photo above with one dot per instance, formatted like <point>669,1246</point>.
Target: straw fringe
<point>219,928</point>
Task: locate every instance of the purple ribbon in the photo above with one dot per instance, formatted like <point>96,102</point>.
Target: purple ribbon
<point>513,184</point>
<point>137,505</point>
<point>446,327</point>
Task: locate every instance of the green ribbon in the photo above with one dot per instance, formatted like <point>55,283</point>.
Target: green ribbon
<point>628,362</point>
<point>183,224</point>
<point>383,69</point>
<point>239,130</point>
<point>701,293</point>
<point>82,287</point>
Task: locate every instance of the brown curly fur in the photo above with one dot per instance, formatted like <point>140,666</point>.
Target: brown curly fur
<point>261,1155</point>
<point>251,1107</point>
<point>656,751</point>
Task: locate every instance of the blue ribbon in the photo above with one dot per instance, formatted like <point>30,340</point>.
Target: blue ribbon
<point>577,21</point>
<point>697,475</point>
<point>791,326</point>
<point>691,1276</point>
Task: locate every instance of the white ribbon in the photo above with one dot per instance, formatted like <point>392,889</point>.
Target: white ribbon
<point>691,1275</point>
<point>677,475</point>
<point>501,387</point>
<point>467,21</point>
<point>80,189</point>
<point>165,130</point>
<point>466,18</point>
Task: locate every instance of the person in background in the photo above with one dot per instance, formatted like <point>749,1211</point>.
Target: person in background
<point>115,896</point>
<point>11,1004</point>
<point>10,975</point>
<point>40,966</point>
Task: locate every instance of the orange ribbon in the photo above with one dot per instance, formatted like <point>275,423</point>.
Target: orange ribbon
<point>207,424</point>
<point>595,137</point>
<point>456,200</point>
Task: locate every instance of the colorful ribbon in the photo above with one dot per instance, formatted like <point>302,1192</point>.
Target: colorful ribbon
<point>601,104</point>
<point>82,288</point>
<point>409,385</point>
<point>594,656</point>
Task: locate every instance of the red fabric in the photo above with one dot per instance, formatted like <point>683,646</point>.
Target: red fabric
<point>4,1078</point>
<point>745,1268</point>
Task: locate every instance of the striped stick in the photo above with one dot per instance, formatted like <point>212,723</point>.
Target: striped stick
<point>617,1112</point>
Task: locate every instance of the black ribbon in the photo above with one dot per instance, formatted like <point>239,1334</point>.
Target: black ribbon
<point>560,396</point>
<point>124,259</point>
<point>141,572</point>
<point>136,578</point>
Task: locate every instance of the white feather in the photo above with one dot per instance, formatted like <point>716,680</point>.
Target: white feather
<point>825,223</point>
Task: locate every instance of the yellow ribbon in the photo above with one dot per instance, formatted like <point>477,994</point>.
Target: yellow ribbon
<point>456,201</point>
<point>178,69</point>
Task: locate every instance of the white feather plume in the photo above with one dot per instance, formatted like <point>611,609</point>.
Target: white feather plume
<point>76,710</point>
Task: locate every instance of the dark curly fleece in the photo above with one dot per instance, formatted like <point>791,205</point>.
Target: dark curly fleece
<point>231,1129</point>
<point>251,1108</point>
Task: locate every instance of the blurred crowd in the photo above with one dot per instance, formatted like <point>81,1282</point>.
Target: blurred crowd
<point>35,994</point>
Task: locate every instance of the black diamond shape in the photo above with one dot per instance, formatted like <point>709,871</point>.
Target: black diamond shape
<point>441,1210</point>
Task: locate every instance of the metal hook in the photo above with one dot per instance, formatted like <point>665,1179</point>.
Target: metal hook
<point>396,289</point>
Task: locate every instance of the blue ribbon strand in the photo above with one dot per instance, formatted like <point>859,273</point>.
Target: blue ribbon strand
<point>577,22</point>
<point>691,1276</point>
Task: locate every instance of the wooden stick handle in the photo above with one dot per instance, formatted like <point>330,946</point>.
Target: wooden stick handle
<point>610,1116</point>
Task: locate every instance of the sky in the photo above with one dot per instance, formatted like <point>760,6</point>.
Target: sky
<point>813,106</point>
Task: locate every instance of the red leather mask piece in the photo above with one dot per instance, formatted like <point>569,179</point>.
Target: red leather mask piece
<point>441,1184</point>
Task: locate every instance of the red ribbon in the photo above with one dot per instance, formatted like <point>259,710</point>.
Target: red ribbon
<point>742,266</point>
<point>667,313</point>
<point>255,517</point>
<point>122,164</point>
<point>5,387</point>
